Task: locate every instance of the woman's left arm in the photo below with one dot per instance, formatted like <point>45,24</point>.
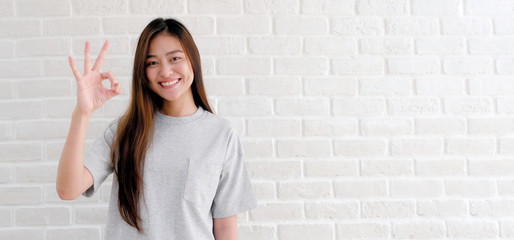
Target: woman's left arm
<point>225,228</point>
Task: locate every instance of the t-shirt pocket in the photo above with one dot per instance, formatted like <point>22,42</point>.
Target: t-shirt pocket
<point>201,182</point>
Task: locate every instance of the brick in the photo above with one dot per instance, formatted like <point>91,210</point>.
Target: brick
<point>419,229</point>
<point>503,26</point>
<point>6,89</point>
<point>490,167</point>
<point>44,88</point>
<point>264,191</point>
<point>220,45</point>
<point>412,26</point>
<point>413,65</point>
<point>60,108</point>
<point>330,46</point>
<point>417,146</point>
<point>255,232</point>
<point>506,146</point>
<point>386,46</point>
<point>5,177</point>
<point>274,127</point>
<point>358,65</point>
<point>41,129</point>
<point>491,86</point>
<point>330,86</point>
<point>258,148</point>
<point>302,107</point>
<point>360,189</point>
<point>440,85</point>
<point>275,45</point>
<point>244,107</point>
<point>329,127</point>
<point>362,26</point>
<point>387,127</point>
<point>243,66</point>
<point>91,215</point>
<point>21,109</point>
<point>492,208</point>
<point>360,147</point>
<point>271,7</point>
<point>442,208</point>
<point>7,9</point>
<point>471,146</point>
<point>276,212</point>
<point>468,105</point>
<point>490,126</point>
<point>435,8</point>
<point>71,26</point>
<point>224,86</point>
<point>304,190</point>
<point>484,8</point>
<point>42,216</point>
<point>504,65</point>
<point>436,167</point>
<point>332,7</point>
<point>273,86</point>
<point>55,68</point>
<point>6,130</point>
<point>122,25</point>
<point>359,107</point>
<point>274,169</point>
<point>73,233</point>
<point>215,7</point>
<point>472,229</point>
<point>491,45</point>
<point>438,125</point>
<point>98,7</point>
<point>300,25</point>
<point>331,210</point>
<point>507,228</point>
<point>506,187</point>
<point>382,7</point>
<point>246,25</point>
<point>20,151</point>
<point>36,173</point>
<point>362,230</point>
<point>20,68</point>
<point>305,232</point>
<point>301,66</point>
<point>115,107</point>
<point>32,8</point>
<point>467,26</point>
<point>413,106</point>
<point>417,188</point>
<point>303,148</point>
<point>19,28</point>
<point>117,45</point>
<point>470,188</point>
<point>387,167</point>
<point>387,209</point>
<point>441,45</point>
<point>383,86</point>
<point>330,168</point>
<point>6,48</point>
<point>5,218</point>
<point>198,24</point>
<point>9,234</point>
<point>20,195</point>
<point>157,7</point>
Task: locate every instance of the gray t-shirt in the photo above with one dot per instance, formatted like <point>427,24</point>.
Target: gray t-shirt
<point>194,171</point>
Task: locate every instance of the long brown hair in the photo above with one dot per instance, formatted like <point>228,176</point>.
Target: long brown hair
<point>135,127</point>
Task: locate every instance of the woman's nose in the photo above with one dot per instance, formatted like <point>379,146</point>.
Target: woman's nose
<point>166,70</point>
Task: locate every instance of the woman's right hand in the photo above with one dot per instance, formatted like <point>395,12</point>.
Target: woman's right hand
<point>91,94</point>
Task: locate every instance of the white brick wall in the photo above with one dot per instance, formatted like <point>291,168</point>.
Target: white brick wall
<point>377,119</point>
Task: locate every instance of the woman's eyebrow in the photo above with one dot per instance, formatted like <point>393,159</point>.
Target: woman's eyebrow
<point>168,53</point>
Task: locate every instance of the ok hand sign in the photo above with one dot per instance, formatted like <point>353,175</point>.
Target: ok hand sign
<point>91,94</point>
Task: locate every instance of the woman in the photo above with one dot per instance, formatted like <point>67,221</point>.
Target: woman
<point>179,169</point>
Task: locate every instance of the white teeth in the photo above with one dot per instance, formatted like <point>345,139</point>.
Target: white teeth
<point>169,83</point>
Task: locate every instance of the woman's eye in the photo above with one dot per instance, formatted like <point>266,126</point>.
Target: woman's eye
<point>153,63</point>
<point>175,58</point>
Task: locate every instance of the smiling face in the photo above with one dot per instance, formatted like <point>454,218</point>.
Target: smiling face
<point>169,71</point>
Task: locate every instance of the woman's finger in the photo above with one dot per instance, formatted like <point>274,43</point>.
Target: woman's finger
<point>74,68</point>
<point>115,86</point>
<point>87,58</point>
<point>100,60</point>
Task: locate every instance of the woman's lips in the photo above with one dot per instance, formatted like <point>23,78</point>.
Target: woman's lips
<point>169,83</point>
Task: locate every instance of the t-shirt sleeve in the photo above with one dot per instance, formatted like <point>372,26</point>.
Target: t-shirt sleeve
<point>234,194</point>
<point>97,159</point>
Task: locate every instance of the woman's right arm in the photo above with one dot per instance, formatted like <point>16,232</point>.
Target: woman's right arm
<point>72,177</point>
